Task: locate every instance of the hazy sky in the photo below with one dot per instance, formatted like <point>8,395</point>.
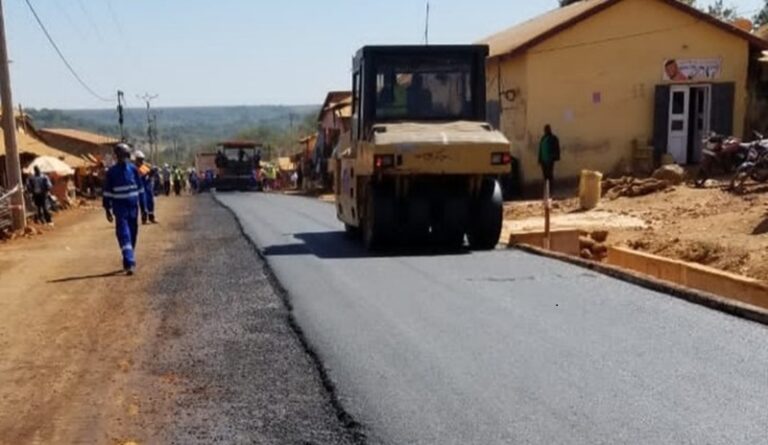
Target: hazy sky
<point>229,52</point>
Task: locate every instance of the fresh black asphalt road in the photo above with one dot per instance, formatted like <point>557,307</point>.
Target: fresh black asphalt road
<point>504,347</point>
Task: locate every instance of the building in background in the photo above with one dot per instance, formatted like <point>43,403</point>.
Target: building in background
<point>31,146</point>
<point>619,81</point>
<point>334,125</point>
<point>79,142</point>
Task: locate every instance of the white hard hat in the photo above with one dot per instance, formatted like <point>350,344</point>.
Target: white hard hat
<point>139,155</point>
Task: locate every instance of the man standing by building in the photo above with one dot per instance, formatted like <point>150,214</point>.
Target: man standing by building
<point>147,177</point>
<point>39,186</point>
<point>123,189</point>
<point>549,153</point>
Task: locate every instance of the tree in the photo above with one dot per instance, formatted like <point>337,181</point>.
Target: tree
<point>724,13</point>
<point>761,18</point>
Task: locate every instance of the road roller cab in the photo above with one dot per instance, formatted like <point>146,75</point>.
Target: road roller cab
<point>421,163</point>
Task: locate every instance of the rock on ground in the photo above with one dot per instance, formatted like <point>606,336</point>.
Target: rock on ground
<point>672,173</point>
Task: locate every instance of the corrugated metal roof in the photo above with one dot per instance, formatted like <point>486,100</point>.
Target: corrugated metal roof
<point>28,144</point>
<point>519,36</point>
<point>523,36</point>
<point>332,100</point>
<point>80,135</point>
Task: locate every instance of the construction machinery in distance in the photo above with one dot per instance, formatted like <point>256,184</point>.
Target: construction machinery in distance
<point>422,162</point>
<point>236,166</point>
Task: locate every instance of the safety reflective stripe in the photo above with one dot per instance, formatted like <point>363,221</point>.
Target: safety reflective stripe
<point>125,188</point>
<point>126,247</point>
<point>122,195</point>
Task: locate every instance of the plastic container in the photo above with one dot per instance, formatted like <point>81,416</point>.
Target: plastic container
<point>590,189</point>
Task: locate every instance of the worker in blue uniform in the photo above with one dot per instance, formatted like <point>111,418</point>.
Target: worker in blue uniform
<point>146,172</point>
<point>123,190</point>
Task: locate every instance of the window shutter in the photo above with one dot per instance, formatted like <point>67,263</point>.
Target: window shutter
<point>723,96</point>
<point>661,121</point>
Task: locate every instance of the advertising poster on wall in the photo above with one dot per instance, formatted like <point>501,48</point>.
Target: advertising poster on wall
<point>684,70</point>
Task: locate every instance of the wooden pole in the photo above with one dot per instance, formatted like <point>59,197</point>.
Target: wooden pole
<point>12,161</point>
<point>547,211</point>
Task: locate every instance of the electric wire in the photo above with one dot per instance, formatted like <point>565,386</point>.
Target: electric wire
<point>92,22</point>
<point>61,55</point>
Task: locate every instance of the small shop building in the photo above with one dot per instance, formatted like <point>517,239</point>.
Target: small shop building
<point>622,83</point>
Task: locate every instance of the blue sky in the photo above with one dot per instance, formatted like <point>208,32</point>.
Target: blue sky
<point>229,52</point>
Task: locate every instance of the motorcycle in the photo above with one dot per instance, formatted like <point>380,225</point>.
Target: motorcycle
<point>755,165</point>
<point>720,152</point>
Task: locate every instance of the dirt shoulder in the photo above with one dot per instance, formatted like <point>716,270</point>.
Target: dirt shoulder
<point>197,348</point>
<point>709,226</point>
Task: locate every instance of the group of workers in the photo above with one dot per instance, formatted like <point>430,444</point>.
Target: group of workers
<point>129,193</point>
<point>173,178</point>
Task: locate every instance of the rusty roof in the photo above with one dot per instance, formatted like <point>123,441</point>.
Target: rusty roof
<point>80,135</point>
<point>332,100</point>
<point>27,143</point>
<point>522,37</point>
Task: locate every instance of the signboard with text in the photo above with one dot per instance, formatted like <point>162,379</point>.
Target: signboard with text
<point>683,70</point>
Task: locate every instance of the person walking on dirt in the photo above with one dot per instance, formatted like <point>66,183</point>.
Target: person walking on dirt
<point>39,186</point>
<point>194,182</point>
<point>147,177</point>
<point>178,179</point>
<point>123,190</point>
<point>549,153</point>
<point>166,180</point>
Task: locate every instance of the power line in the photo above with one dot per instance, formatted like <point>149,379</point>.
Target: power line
<point>115,19</point>
<point>90,20</point>
<point>61,55</point>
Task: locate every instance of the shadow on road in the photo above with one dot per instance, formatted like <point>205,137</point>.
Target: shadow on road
<point>338,245</point>
<point>88,277</point>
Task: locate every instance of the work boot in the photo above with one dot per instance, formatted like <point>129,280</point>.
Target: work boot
<point>144,218</point>
<point>152,219</point>
<point>130,270</point>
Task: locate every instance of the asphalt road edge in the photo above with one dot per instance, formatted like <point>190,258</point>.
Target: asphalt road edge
<point>712,301</point>
<point>353,427</point>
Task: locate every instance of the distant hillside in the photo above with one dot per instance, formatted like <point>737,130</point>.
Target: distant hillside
<point>191,127</point>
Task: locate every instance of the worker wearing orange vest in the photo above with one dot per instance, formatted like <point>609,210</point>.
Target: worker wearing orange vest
<point>147,173</point>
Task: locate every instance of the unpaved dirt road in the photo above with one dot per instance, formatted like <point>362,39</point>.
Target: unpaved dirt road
<point>197,348</point>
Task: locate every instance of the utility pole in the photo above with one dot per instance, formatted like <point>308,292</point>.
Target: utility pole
<point>155,140</point>
<point>12,162</point>
<point>148,98</point>
<point>121,116</point>
<point>426,26</point>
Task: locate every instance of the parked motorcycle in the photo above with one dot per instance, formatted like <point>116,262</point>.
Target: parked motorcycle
<point>755,165</point>
<point>720,153</point>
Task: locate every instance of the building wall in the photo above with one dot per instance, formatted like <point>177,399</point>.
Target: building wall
<point>594,83</point>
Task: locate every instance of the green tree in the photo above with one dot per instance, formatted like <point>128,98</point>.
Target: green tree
<point>720,10</point>
<point>761,18</point>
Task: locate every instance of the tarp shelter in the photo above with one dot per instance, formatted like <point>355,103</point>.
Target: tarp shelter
<point>48,164</point>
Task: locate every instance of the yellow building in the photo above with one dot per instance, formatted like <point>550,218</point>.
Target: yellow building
<point>614,77</point>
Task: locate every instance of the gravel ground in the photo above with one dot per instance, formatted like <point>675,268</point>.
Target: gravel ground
<point>226,349</point>
<point>197,348</point>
